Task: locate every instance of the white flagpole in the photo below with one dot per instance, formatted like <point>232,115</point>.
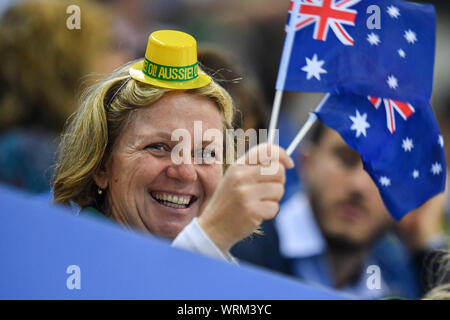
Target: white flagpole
<point>306,127</point>
<point>274,116</point>
<point>282,72</point>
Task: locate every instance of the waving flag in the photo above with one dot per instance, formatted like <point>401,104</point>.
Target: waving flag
<point>379,83</point>
<point>325,15</point>
<point>408,163</point>
<point>334,50</point>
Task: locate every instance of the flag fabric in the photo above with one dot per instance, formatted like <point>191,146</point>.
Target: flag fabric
<point>376,60</point>
<point>408,163</point>
<point>337,47</point>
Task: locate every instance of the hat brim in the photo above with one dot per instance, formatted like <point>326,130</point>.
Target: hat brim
<point>136,73</point>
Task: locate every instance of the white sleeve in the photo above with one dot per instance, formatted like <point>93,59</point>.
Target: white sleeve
<point>194,239</point>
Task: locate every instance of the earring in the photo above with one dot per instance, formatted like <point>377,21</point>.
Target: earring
<point>100,191</point>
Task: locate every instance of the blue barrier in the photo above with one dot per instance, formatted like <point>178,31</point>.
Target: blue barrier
<point>38,243</point>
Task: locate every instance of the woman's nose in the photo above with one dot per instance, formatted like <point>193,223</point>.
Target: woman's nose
<point>182,172</point>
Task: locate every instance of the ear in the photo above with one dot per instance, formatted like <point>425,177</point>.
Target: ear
<point>101,178</point>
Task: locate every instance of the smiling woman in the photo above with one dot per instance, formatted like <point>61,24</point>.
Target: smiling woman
<point>141,175</point>
<point>115,157</point>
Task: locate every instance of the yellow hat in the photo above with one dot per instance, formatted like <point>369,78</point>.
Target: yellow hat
<point>170,62</point>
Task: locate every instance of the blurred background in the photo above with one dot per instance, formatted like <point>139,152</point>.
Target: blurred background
<point>44,67</point>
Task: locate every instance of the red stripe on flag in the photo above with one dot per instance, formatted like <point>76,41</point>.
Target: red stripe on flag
<point>344,33</point>
<point>340,4</point>
<point>301,24</point>
<point>405,108</point>
<point>374,101</point>
<point>326,12</point>
<point>391,116</point>
<point>291,4</point>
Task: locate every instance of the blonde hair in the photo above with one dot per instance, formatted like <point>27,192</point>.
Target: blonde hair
<point>88,141</point>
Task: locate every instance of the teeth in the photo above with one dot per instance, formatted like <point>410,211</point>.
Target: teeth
<point>173,205</point>
<point>173,200</point>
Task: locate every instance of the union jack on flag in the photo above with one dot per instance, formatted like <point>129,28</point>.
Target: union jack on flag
<point>404,109</point>
<point>326,14</point>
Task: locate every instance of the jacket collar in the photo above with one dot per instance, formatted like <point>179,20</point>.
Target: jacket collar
<point>298,233</point>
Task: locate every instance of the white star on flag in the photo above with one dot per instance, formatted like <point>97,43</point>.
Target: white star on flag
<point>385,181</point>
<point>314,68</point>
<point>401,53</point>
<point>407,144</point>
<point>415,174</point>
<point>373,39</point>
<point>441,141</point>
<point>393,12</point>
<point>392,82</point>
<point>436,168</point>
<point>359,124</point>
<point>410,36</point>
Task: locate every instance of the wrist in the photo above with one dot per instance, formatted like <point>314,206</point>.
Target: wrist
<point>214,234</point>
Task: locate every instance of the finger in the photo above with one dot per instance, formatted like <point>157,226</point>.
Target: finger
<point>263,154</point>
<point>273,173</point>
<point>269,191</point>
<point>269,209</point>
<point>255,193</point>
<point>247,174</point>
<point>285,159</point>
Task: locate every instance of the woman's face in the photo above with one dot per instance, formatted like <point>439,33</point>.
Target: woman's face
<point>146,190</point>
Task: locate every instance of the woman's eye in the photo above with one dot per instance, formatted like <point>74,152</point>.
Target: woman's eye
<point>209,154</point>
<point>206,156</point>
<point>202,154</point>
<point>158,146</point>
<point>205,153</point>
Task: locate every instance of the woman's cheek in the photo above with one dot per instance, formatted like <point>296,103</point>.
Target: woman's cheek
<point>217,175</point>
<point>210,179</point>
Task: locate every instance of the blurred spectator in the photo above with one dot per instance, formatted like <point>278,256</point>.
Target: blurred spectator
<point>43,65</point>
<point>335,231</point>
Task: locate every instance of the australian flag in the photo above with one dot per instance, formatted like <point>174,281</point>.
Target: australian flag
<point>339,46</point>
<point>376,60</point>
<point>408,164</point>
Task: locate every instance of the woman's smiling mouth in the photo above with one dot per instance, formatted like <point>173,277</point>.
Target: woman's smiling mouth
<point>173,200</point>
